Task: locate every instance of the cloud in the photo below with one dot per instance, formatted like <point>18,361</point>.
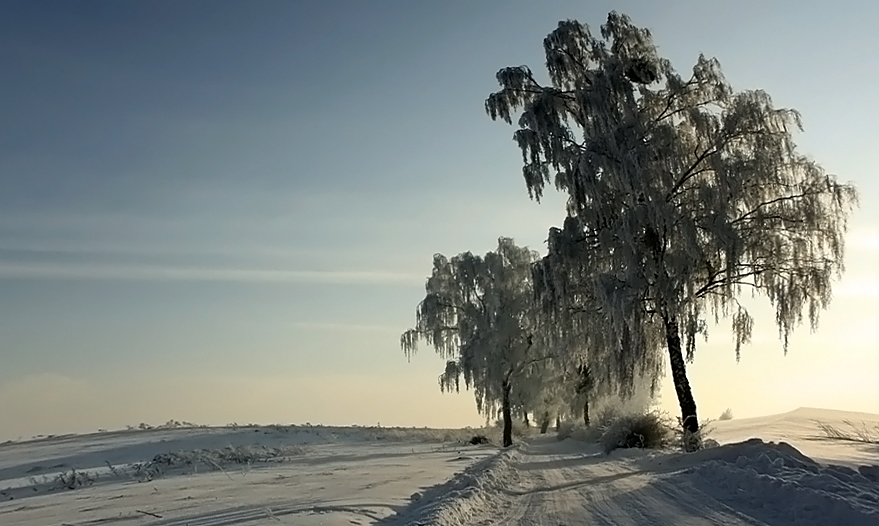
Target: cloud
<point>172,273</point>
<point>348,327</point>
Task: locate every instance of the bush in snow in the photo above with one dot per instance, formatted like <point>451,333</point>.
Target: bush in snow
<point>565,430</point>
<point>726,415</point>
<point>74,479</point>
<point>214,459</point>
<point>609,411</point>
<point>690,441</point>
<point>585,434</point>
<point>577,431</point>
<point>648,430</point>
<point>693,441</point>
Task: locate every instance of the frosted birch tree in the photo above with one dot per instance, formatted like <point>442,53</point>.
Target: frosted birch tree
<point>682,195</point>
<point>599,357</point>
<point>479,314</point>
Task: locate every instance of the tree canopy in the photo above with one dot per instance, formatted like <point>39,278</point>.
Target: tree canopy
<point>478,314</point>
<point>682,194</point>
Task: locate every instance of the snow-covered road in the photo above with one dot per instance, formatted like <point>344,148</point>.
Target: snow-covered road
<point>560,484</point>
<point>546,482</point>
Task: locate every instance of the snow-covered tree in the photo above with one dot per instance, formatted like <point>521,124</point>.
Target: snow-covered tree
<point>682,194</point>
<point>479,314</point>
<point>597,357</point>
<point>541,387</point>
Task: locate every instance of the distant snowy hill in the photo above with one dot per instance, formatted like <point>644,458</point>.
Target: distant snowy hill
<point>802,429</point>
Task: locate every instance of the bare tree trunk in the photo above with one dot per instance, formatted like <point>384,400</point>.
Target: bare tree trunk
<point>584,387</point>
<point>558,422</point>
<point>507,415</point>
<point>679,375</point>
<point>544,424</point>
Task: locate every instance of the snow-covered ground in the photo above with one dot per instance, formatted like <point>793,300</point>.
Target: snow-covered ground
<point>336,476</point>
<point>750,479</point>
<point>223,476</point>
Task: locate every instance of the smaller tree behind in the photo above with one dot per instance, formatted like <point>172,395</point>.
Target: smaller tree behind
<point>479,315</point>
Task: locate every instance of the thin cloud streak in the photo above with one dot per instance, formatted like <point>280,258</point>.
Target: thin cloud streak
<point>348,327</point>
<point>98,250</point>
<point>158,273</point>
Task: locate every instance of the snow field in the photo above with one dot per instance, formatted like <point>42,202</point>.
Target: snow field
<point>329,476</point>
<point>359,476</point>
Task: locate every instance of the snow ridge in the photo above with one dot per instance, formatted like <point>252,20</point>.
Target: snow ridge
<point>757,477</point>
<point>464,497</point>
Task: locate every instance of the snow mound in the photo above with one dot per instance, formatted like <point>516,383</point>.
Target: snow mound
<point>802,428</point>
<point>463,498</point>
<point>777,483</point>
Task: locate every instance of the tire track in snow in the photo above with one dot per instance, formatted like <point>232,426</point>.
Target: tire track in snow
<point>548,483</point>
<point>558,488</point>
<point>243,515</point>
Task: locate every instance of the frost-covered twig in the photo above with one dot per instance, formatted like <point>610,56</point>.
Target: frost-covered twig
<point>859,433</point>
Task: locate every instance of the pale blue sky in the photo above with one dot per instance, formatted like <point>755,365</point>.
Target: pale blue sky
<point>202,201</point>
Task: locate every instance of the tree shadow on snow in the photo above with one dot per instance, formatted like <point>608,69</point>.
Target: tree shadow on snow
<point>571,462</point>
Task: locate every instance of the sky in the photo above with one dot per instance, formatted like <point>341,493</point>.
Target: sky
<point>222,212</point>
